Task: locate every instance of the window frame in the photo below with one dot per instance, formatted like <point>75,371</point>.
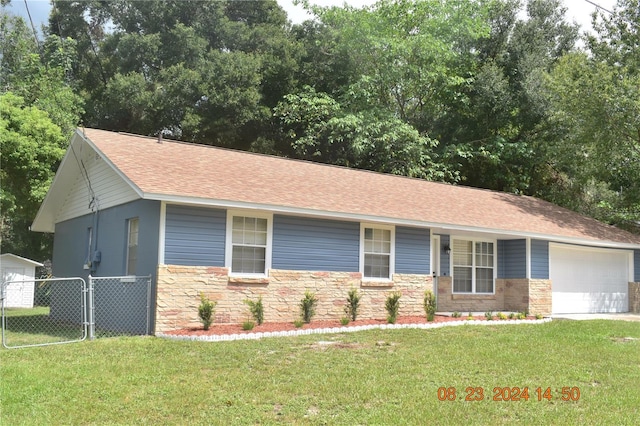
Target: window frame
<point>127,260</point>
<point>392,250</point>
<point>228,254</point>
<point>474,266</point>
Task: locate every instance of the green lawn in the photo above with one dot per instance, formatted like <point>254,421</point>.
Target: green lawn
<point>377,377</point>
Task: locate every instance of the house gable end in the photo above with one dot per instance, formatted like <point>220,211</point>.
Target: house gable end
<point>84,182</point>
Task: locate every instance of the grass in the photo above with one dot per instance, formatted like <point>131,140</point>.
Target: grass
<point>373,377</point>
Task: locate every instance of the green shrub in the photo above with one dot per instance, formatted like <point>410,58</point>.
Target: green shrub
<point>308,306</point>
<point>353,304</point>
<point>456,314</point>
<point>502,316</point>
<point>429,304</point>
<point>298,323</point>
<point>206,310</point>
<point>512,315</point>
<point>469,317</point>
<point>256,309</point>
<point>521,315</point>
<point>344,320</point>
<point>248,325</point>
<point>488,315</point>
<point>539,316</point>
<point>392,305</point>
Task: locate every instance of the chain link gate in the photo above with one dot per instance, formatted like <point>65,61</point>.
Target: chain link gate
<point>68,310</point>
<point>58,315</point>
<point>119,306</point>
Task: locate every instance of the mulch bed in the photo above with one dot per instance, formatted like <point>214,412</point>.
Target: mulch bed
<point>225,329</point>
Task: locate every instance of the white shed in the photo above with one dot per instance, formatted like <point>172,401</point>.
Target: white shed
<point>15,268</point>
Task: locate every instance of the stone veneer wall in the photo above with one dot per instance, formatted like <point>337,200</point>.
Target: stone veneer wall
<point>510,295</point>
<point>449,302</point>
<point>634,298</point>
<point>179,287</point>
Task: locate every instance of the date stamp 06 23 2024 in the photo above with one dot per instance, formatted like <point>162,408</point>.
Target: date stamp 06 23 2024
<point>472,394</point>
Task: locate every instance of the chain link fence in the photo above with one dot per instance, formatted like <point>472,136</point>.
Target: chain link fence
<point>121,306</point>
<point>57,316</point>
<point>70,310</point>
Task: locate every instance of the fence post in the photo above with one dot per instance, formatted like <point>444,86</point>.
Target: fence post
<point>91,310</point>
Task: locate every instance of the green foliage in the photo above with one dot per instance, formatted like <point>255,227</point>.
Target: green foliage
<point>353,304</point>
<point>456,314</point>
<point>257,309</point>
<point>344,321</point>
<point>298,323</point>
<point>502,316</point>
<point>512,315</point>
<point>308,306</point>
<point>206,311</point>
<point>539,316</point>
<point>392,306</point>
<point>488,315</point>
<point>248,325</point>
<point>429,304</point>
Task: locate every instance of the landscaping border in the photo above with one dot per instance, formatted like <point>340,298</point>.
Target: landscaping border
<point>343,329</point>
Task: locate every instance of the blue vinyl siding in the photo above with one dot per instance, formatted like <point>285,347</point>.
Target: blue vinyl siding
<point>309,244</point>
<point>412,250</point>
<point>445,259</point>
<point>110,239</point>
<point>636,265</point>
<point>539,259</point>
<point>194,236</point>
<point>512,259</point>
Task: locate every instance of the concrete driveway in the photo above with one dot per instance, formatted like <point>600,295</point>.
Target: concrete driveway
<point>626,316</point>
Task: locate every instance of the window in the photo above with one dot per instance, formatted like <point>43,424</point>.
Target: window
<point>132,246</point>
<point>377,254</point>
<point>249,250</point>
<point>473,266</point>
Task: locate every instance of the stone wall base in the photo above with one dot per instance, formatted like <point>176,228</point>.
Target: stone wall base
<point>515,295</point>
<point>634,298</point>
<point>179,288</point>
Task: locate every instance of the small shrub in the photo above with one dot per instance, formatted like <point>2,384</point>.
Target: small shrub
<point>353,304</point>
<point>488,315</point>
<point>248,325</point>
<point>456,314</point>
<point>298,323</point>
<point>206,311</point>
<point>521,315</point>
<point>256,309</point>
<point>392,305</point>
<point>344,320</point>
<point>502,316</point>
<point>512,315</point>
<point>429,304</point>
<point>308,306</point>
<point>539,316</point>
<point>469,317</point>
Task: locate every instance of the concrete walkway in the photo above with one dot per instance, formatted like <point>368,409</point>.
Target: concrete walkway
<point>626,316</point>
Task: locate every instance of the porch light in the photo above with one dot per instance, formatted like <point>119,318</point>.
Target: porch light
<point>447,249</point>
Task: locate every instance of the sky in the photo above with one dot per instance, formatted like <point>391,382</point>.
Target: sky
<point>578,10</point>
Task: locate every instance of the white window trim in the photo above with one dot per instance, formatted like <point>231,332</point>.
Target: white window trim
<point>392,254</point>
<point>473,267</point>
<point>126,266</point>
<point>228,252</point>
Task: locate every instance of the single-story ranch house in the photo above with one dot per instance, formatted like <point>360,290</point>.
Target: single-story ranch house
<point>237,225</point>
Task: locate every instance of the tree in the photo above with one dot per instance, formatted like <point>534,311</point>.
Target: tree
<point>206,71</point>
<point>596,105</point>
<point>31,147</point>
<point>38,112</point>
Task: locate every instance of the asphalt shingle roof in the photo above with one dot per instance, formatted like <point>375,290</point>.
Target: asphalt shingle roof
<point>174,169</point>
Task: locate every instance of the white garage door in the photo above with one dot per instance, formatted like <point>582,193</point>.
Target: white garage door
<point>588,280</point>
